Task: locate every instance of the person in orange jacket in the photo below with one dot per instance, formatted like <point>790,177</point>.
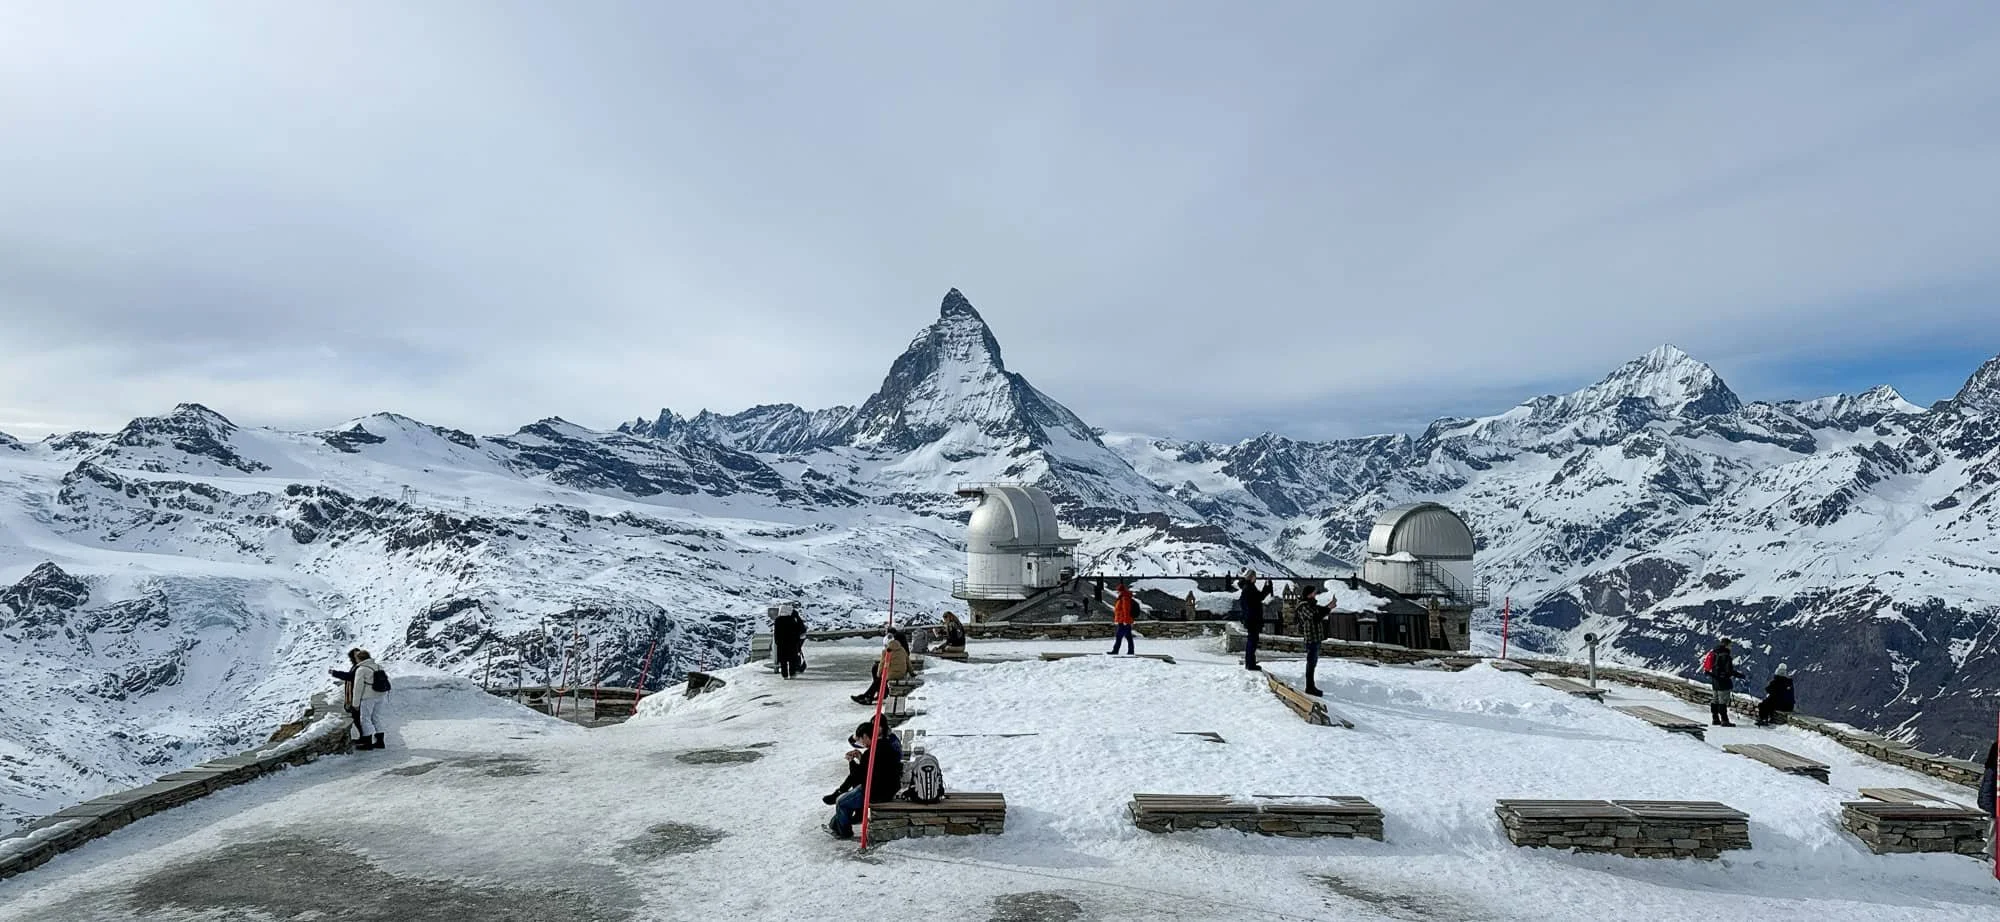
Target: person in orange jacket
<point>1123,613</point>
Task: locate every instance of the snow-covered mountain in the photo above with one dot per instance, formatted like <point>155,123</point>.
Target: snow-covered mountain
<point>1856,537</point>
<point>175,588</point>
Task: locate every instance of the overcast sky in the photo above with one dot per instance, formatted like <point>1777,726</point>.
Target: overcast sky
<point>1200,220</point>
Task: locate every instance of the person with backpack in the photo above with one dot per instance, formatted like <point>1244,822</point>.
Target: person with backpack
<point>788,641</point>
<point>923,778</point>
<point>1123,613</point>
<point>1777,696</point>
<point>1313,619</point>
<point>897,648</point>
<point>1720,664</point>
<point>1251,598</point>
<point>855,791</point>
<point>366,686</point>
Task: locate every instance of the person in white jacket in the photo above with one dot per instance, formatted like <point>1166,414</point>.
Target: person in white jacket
<point>363,700</point>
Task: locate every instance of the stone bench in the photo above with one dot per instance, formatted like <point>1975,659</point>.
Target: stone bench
<point>960,813</point>
<point>1633,828</point>
<point>1787,762</point>
<point>1162,657</point>
<point>1900,828</point>
<point>1571,687</point>
<point>1672,723</point>
<point>1309,709</point>
<point>1263,814</point>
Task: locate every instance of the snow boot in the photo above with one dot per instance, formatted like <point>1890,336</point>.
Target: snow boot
<point>378,743</point>
<point>1315,692</point>
<point>862,699</point>
<point>364,744</point>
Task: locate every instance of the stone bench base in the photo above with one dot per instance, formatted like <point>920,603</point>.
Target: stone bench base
<point>959,814</point>
<point>1888,828</point>
<point>1291,817</point>
<point>1633,828</point>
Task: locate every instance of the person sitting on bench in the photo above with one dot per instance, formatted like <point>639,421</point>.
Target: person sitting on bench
<point>847,799</point>
<point>954,635</point>
<point>898,647</point>
<point>1777,696</point>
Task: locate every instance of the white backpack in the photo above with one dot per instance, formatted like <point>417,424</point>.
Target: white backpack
<point>923,779</point>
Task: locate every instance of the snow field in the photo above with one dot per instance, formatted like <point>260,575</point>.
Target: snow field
<point>480,791</point>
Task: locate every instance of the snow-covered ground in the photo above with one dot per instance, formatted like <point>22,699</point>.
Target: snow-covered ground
<point>485,809</point>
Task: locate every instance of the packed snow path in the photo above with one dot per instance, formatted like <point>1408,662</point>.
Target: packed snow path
<point>709,809</point>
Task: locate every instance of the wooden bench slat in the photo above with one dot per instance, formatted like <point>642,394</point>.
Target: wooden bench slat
<point>1571,686</point>
<point>1908,797</point>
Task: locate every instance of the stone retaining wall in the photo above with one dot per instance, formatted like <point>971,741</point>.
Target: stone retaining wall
<point>32,846</point>
<point>1380,652</point>
<point>1948,831</point>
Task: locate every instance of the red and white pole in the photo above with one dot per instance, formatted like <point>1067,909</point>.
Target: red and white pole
<point>1506,622</point>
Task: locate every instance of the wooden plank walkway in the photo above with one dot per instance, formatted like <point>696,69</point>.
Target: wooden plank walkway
<point>1507,665</point>
<point>1571,686</point>
<point>1162,657</point>
<point>1672,723</point>
<point>1309,709</point>
<point>1788,762</point>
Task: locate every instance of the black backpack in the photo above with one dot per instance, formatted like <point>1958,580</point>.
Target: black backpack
<point>381,680</point>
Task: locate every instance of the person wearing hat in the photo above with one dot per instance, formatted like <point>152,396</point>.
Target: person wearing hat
<point>1251,597</point>
<point>1777,696</point>
<point>1313,618</point>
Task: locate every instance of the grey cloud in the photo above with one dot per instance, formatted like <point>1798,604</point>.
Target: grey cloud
<point>483,214</point>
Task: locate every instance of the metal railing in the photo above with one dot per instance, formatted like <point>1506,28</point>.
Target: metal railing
<point>966,589</point>
<point>1434,579</point>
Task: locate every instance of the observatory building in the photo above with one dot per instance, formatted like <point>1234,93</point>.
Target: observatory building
<point>1014,548</point>
<point>1424,551</point>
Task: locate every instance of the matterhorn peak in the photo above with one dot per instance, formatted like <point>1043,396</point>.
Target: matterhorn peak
<point>1981,393</point>
<point>955,305</point>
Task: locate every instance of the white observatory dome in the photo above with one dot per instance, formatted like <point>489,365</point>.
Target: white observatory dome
<point>1010,519</point>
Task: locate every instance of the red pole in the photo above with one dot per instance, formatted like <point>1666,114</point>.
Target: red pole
<point>640,691</point>
<point>875,731</point>
<point>1993,839</point>
<point>1506,622</point>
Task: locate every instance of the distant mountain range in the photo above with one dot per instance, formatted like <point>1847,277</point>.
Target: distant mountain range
<point>176,587</point>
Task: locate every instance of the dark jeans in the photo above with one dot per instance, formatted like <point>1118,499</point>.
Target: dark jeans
<point>1312,662</point>
<point>1250,643</point>
<point>874,682</point>
<point>847,810</point>
<point>1123,634</point>
<point>1765,712</point>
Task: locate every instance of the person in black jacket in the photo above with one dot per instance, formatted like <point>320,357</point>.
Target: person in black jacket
<point>1777,696</point>
<point>1986,800</point>
<point>1251,597</point>
<point>1722,678</point>
<point>847,799</point>
<point>788,642</point>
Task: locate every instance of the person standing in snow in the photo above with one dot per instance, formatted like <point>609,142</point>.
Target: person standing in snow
<point>1313,618</point>
<point>364,698</point>
<point>1722,679</point>
<point>1251,597</point>
<point>1777,696</point>
<point>954,635</point>
<point>788,641</point>
<point>1191,608</point>
<point>897,651</point>
<point>847,800</point>
<point>1123,613</point>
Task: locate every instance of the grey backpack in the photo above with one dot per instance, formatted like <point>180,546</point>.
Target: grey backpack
<point>923,779</point>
